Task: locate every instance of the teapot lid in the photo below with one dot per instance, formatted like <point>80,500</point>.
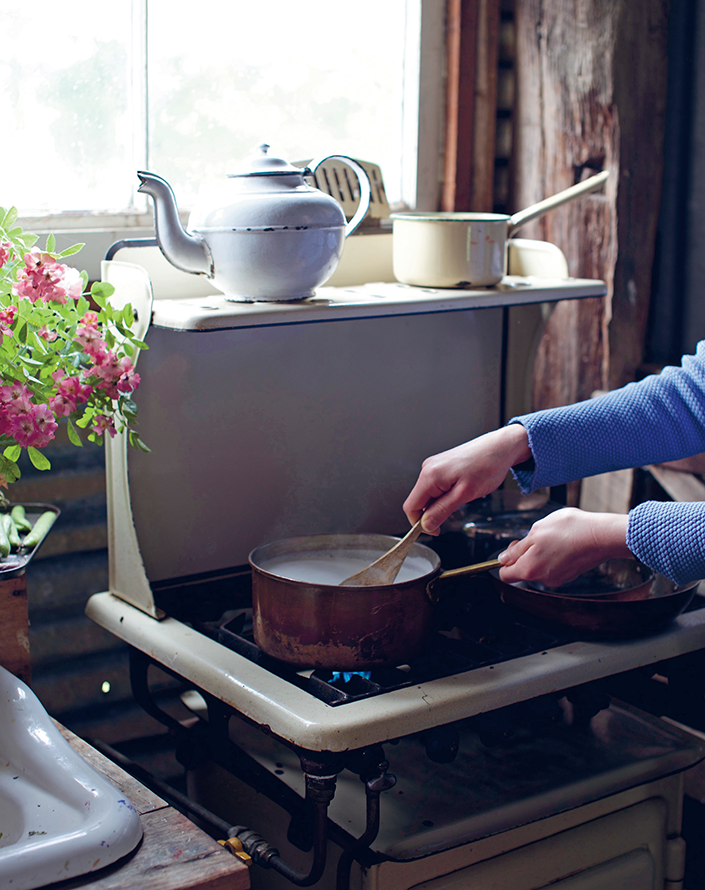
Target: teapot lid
<point>262,164</point>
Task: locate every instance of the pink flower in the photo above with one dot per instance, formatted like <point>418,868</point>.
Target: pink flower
<point>71,388</point>
<point>129,381</point>
<point>47,334</point>
<point>70,393</point>
<point>44,279</point>
<point>44,426</point>
<point>103,423</point>
<point>5,248</point>
<point>22,404</point>
<point>6,422</point>
<point>23,430</point>
<point>35,259</point>
<point>90,320</point>
<point>7,317</point>
<point>33,428</point>
<point>12,392</point>
<point>61,406</point>
<point>112,372</point>
<point>93,345</point>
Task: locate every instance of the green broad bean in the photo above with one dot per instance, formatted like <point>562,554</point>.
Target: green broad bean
<point>4,542</point>
<point>39,529</point>
<point>11,531</point>
<point>18,514</point>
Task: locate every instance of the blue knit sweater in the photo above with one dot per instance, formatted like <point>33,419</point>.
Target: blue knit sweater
<point>661,418</point>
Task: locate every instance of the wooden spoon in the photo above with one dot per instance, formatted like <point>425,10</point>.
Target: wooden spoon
<point>385,569</point>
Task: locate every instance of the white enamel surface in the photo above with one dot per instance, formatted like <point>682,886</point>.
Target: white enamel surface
<point>59,818</point>
<point>366,301</point>
<point>272,237</point>
<point>275,264</point>
<point>295,716</point>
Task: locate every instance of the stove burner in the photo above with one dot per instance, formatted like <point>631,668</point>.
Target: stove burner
<point>347,676</point>
<point>467,638</point>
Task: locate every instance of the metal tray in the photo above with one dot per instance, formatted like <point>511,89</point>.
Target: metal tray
<point>15,562</point>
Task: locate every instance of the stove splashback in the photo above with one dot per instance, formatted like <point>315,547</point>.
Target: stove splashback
<point>263,432</point>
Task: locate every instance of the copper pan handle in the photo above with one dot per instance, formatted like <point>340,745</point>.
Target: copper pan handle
<point>470,570</point>
<point>458,573</point>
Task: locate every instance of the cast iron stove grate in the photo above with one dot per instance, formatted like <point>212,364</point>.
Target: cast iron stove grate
<point>464,642</point>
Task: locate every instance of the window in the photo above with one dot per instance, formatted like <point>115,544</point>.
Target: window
<point>65,105</point>
<point>91,94</point>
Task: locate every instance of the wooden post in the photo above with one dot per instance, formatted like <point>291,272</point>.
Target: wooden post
<point>591,91</point>
<point>14,627</point>
<point>471,105</point>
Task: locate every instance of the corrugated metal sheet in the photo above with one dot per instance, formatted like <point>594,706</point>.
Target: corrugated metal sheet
<point>79,670</point>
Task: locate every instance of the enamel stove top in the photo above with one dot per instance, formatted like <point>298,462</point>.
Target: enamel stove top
<point>476,675</point>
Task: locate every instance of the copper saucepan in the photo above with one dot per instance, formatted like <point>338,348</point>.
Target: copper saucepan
<point>302,617</point>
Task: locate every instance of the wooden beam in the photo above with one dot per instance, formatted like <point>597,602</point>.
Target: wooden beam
<point>14,627</point>
<point>471,104</point>
<point>591,89</point>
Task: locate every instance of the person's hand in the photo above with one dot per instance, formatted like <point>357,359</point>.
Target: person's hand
<point>563,545</point>
<point>462,474</point>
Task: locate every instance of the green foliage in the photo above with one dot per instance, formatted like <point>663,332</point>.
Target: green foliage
<point>63,352</point>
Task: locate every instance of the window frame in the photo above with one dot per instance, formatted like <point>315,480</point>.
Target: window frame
<point>422,137</point>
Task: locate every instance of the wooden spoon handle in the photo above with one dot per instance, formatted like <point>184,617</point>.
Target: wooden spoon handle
<point>385,569</point>
<point>399,551</point>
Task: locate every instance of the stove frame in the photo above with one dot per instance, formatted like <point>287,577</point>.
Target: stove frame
<point>327,738</point>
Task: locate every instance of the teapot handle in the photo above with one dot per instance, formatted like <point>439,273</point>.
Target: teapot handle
<point>365,188</point>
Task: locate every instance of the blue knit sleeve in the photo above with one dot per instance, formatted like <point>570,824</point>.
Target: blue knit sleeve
<point>669,538</point>
<point>661,418</point>
<point>658,419</point>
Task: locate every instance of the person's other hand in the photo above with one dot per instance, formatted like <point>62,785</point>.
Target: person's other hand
<point>563,545</point>
<point>463,474</point>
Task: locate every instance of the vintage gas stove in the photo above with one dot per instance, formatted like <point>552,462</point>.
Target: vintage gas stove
<point>500,735</point>
<point>486,658</point>
<point>268,422</point>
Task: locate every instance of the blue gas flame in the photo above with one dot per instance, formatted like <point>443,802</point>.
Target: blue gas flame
<point>347,676</point>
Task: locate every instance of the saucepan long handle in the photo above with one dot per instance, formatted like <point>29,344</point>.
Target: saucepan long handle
<point>470,570</point>
<point>458,573</point>
<point>575,191</point>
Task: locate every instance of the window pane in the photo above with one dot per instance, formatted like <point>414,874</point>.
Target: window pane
<point>324,77</point>
<point>65,105</point>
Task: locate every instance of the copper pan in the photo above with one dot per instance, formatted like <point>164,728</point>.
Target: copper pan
<point>322,625</point>
<point>318,625</point>
<point>640,602</point>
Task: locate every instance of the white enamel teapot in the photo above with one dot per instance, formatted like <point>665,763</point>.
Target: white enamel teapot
<point>270,235</point>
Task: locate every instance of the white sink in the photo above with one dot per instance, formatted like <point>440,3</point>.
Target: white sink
<point>59,818</point>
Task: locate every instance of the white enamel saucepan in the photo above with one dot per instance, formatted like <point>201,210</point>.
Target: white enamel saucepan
<point>465,249</point>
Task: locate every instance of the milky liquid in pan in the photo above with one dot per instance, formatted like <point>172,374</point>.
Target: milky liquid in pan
<point>330,568</point>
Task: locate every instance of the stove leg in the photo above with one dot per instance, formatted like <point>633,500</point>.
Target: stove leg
<point>377,780</point>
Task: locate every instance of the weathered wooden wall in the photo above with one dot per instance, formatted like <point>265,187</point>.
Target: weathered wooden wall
<point>591,93</point>
<point>472,47</point>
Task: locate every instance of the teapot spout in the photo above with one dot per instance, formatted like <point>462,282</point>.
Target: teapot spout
<point>187,252</point>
